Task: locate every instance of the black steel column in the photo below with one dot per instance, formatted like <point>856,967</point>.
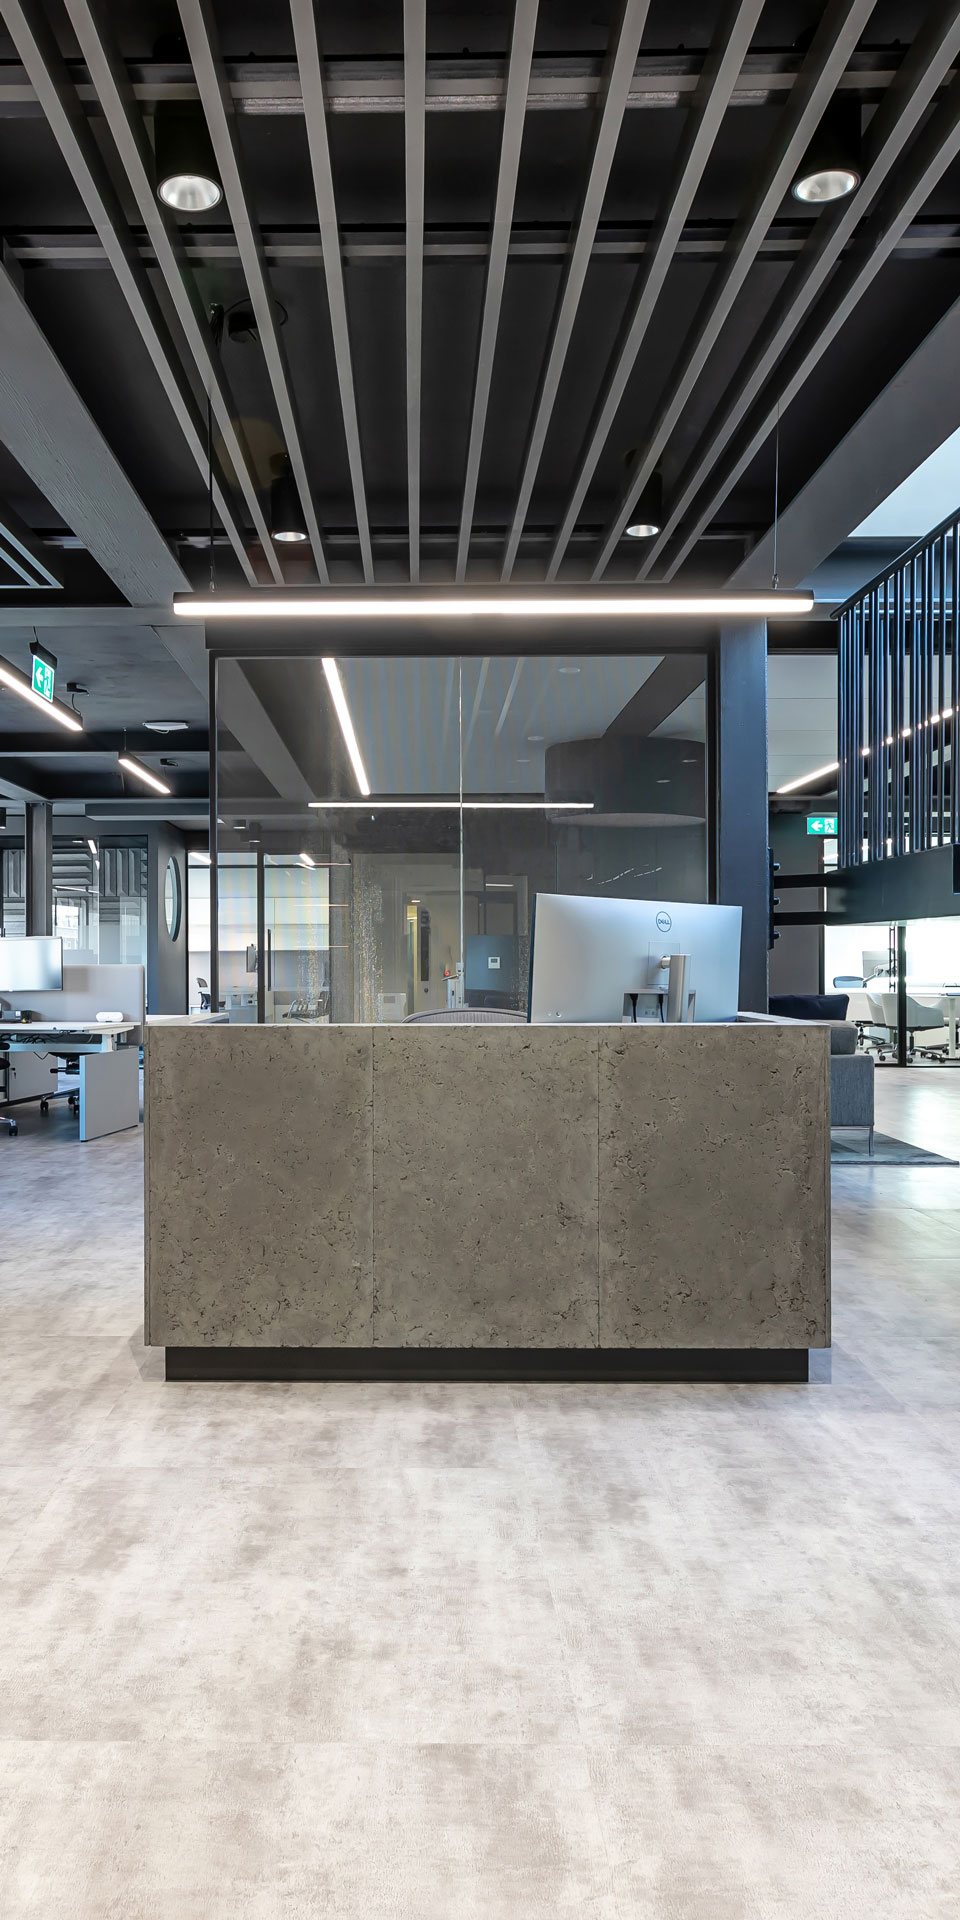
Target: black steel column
<point>38,846</point>
<point>213,840</point>
<point>739,795</point>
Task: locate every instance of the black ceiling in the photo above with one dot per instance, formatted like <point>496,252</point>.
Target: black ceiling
<point>594,141</point>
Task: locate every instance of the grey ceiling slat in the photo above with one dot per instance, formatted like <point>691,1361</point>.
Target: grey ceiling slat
<point>52,436</point>
<point>935,150</point>
<point>90,22</point>
<point>834,41</point>
<point>518,80</point>
<point>414,144</point>
<point>41,57</point>
<point>618,75</point>
<point>925,68</point>
<point>303,15</point>
<point>710,102</point>
<point>200,28</point>
<point>21,550</point>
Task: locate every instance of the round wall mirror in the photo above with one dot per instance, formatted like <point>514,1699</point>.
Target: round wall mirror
<point>173,897</point>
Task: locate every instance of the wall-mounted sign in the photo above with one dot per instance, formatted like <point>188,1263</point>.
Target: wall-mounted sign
<point>824,824</point>
<point>42,678</point>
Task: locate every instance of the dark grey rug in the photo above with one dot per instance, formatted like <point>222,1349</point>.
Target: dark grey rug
<point>850,1150</point>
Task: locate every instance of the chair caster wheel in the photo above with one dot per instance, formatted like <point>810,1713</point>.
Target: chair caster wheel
<point>14,1130</point>
<point>44,1106</point>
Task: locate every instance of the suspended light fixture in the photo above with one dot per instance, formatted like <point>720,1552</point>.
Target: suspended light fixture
<point>17,682</point>
<point>140,772</point>
<point>648,512</point>
<point>830,168</point>
<point>287,522</point>
<point>188,179</point>
<point>639,603</point>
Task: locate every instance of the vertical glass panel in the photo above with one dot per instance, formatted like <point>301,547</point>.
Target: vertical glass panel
<point>489,780</point>
<point>123,902</point>
<point>238,935</point>
<point>581,776</point>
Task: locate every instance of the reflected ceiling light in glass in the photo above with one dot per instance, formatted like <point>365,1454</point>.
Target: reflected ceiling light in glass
<point>188,179</point>
<point>453,806</point>
<point>819,773</point>
<point>642,604</point>
<point>339,698</point>
<point>140,772</point>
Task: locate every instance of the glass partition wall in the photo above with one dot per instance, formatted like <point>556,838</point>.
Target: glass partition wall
<point>423,804</point>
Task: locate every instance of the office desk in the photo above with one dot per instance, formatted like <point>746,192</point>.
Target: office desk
<point>487,1202</point>
<point>109,1074</point>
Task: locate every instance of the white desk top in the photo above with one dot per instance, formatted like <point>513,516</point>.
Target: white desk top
<point>38,1027</point>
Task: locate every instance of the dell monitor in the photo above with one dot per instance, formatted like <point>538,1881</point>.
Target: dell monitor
<point>587,955</point>
<point>31,965</point>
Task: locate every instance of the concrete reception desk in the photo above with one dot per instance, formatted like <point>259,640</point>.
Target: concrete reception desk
<point>487,1201</point>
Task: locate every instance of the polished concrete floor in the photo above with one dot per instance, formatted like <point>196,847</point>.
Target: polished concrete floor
<point>478,1652</point>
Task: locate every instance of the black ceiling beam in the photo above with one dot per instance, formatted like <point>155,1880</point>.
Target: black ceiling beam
<point>33,746</point>
<point>313,87</point>
<point>414,145</point>
<point>707,108</point>
<point>200,29</point>
<point>31,34</point>
<point>64,251</point>
<point>895,122</point>
<point>664,690</point>
<point>621,61</point>
<point>514,116</point>
<point>833,43</point>
<point>91,24</point>
<point>935,150</point>
<point>468,84</point>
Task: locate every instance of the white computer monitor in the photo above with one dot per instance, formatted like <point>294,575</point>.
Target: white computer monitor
<point>587,953</point>
<point>31,965</point>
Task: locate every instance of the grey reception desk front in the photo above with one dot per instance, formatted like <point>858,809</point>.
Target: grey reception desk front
<point>487,1201</point>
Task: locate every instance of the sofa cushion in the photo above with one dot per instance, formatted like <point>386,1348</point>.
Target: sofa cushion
<point>810,1006</point>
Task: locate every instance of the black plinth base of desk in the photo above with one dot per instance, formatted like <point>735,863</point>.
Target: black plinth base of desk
<point>487,1363</point>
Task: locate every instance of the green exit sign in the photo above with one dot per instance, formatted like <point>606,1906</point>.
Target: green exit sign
<point>822,823</point>
<point>42,678</point>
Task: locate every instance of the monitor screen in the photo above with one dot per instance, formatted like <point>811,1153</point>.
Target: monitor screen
<point>588,954</point>
<point>31,965</point>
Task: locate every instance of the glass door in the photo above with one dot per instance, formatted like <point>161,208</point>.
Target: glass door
<point>295,980</point>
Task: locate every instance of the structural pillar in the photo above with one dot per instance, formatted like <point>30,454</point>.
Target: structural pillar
<point>38,843</point>
<point>740,870</point>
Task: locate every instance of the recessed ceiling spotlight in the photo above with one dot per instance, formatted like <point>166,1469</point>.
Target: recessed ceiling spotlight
<point>187,177</point>
<point>287,521</point>
<point>648,511</point>
<point>166,726</point>
<point>830,168</point>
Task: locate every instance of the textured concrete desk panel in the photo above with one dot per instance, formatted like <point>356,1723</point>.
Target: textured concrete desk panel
<point>487,1187</point>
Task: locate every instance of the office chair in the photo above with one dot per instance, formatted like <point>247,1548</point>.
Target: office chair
<point>5,1119</point>
<point>920,1019</point>
<point>204,986</point>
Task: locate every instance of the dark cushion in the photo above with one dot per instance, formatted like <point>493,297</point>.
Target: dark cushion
<point>810,1006</point>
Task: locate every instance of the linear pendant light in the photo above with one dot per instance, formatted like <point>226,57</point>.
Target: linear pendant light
<point>642,604</point>
<point>141,772</point>
<point>17,682</point>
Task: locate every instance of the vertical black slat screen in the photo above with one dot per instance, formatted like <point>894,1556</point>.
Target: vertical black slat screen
<point>843,668</point>
<point>899,704</point>
<point>895,727</point>
<point>954,685</point>
<point>943,812</point>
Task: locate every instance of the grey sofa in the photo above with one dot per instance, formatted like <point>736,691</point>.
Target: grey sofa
<point>851,1080</point>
